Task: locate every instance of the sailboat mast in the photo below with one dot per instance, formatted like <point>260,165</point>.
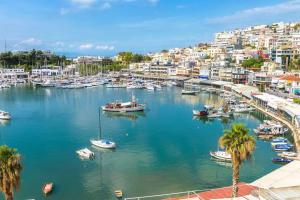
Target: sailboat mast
<point>100,130</point>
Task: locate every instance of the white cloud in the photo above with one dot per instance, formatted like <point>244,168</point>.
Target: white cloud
<point>64,11</point>
<point>31,41</point>
<point>86,46</point>
<point>83,3</point>
<point>290,6</point>
<point>105,47</point>
<point>153,1</point>
<point>58,44</point>
<point>105,6</point>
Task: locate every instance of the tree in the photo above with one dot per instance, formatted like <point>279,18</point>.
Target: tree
<point>10,169</point>
<point>240,145</point>
<point>253,62</point>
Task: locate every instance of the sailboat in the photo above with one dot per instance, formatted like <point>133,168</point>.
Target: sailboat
<point>100,142</point>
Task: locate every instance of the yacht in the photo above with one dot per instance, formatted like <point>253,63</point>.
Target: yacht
<point>221,155</point>
<point>4,115</point>
<point>104,143</point>
<point>100,142</point>
<point>85,153</point>
<point>131,106</point>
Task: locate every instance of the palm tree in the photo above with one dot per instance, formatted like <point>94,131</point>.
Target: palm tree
<point>240,145</point>
<point>10,169</point>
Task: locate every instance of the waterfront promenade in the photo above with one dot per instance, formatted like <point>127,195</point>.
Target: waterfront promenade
<point>295,131</point>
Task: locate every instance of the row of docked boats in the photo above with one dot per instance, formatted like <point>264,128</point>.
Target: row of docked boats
<point>141,84</point>
<point>284,147</point>
<point>7,83</point>
<point>71,83</point>
<point>269,129</point>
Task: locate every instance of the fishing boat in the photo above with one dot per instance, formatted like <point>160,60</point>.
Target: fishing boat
<point>100,142</point>
<point>221,155</point>
<point>281,160</point>
<point>132,106</point>
<point>4,115</point>
<point>282,147</point>
<point>188,92</point>
<point>47,188</point>
<point>200,113</point>
<point>85,153</point>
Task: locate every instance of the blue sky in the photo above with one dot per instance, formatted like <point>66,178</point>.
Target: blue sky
<point>104,27</point>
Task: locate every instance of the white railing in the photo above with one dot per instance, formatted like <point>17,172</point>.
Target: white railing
<point>188,195</point>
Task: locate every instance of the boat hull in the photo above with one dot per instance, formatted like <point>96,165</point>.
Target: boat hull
<point>103,144</point>
<point>217,156</point>
<point>134,109</point>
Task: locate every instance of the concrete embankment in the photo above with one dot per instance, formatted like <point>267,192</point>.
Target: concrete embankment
<point>295,131</point>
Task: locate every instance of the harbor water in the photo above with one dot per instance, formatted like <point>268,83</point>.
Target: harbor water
<point>162,150</point>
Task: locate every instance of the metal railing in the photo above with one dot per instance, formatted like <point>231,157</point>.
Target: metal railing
<point>192,195</point>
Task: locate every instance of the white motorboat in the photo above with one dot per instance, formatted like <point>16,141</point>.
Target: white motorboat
<point>215,115</point>
<point>188,92</point>
<point>150,87</point>
<point>4,115</point>
<point>288,154</point>
<point>85,153</point>
<point>104,143</point>
<point>158,87</point>
<point>221,155</point>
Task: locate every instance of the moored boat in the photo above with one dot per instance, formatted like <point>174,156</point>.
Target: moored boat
<point>281,160</point>
<point>47,188</point>
<point>119,193</point>
<point>132,106</point>
<point>221,155</point>
<point>200,112</point>
<point>85,153</point>
<point>104,143</point>
<point>4,115</point>
<point>282,147</point>
<point>188,92</point>
<point>288,154</point>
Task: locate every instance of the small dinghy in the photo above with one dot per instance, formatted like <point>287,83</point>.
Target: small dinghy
<point>119,193</point>
<point>86,153</point>
<point>47,188</point>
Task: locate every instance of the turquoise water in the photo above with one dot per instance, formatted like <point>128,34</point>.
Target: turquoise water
<point>161,151</point>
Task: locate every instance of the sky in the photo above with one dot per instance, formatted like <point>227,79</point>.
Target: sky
<point>105,27</point>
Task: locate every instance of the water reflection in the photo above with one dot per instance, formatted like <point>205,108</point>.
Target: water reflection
<point>120,115</point>
<point>4,122</point>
